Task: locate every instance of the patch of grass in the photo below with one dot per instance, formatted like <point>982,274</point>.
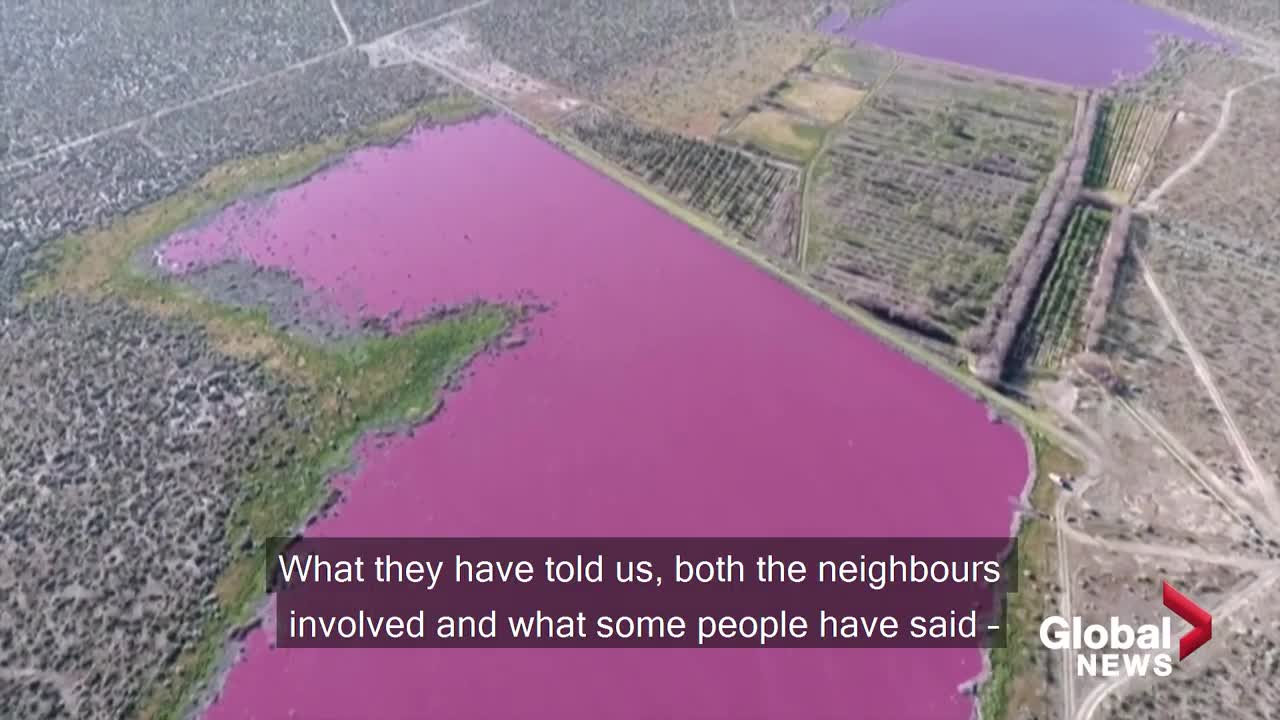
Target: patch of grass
<point>827,102</point>
<point>780,135</point>
<point>860,64</point>
<point>1012,682</point>
<point>338,393</point>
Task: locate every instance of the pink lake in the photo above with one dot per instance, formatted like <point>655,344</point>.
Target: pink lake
<point>673,389</point>
<point>1088,43</point>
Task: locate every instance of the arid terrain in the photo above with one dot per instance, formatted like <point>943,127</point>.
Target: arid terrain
<point>1101,265</point>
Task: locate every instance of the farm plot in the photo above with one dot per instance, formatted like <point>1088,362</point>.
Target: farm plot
<point>791,119</point>
<point>922,193</point>
<point>823,100</point>
<point>1124,146</point>
<point>748,195</point>
<point>861,65</point>
<point>778,133</point>
<point>1052,332</point>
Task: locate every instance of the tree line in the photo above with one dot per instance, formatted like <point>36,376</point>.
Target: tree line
<point>994,338</point>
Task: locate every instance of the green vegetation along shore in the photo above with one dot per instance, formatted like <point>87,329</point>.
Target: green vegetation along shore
<point>1011,681</point>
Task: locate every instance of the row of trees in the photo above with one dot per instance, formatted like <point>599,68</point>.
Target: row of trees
<point>914,316</point>
<point>978,339</point>
<point>1031,259</point>
<point>1095,309</point>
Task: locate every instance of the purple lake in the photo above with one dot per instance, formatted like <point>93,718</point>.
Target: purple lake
<point>1087,43</point>
<point>672,389</point>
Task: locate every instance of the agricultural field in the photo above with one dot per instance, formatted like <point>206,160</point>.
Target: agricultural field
<point>859,64</point>
<point>823,100</point>
<point>1124,146</point>
<point>1052,333</point>
<point>697,86</point>
<point>922,193</point>
<point>778,133</point>
<point>790,120</point>
<point>754,198</point>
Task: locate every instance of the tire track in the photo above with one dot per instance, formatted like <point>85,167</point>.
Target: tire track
<point>1224,118</point>
<point>1266,488</point>
<point>224,91</point>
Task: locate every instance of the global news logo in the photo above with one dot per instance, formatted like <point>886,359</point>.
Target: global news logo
<point>1119,649</point>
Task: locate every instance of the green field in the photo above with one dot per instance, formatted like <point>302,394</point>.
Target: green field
<point>860,64</point>
<point>1124,145</point>
<point>1052,332</point>
<point>780,135</point>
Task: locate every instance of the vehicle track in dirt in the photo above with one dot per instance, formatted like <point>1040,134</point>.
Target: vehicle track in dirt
<point>1264,485</point>
<point>1150,202</point>
<point>226,89</point>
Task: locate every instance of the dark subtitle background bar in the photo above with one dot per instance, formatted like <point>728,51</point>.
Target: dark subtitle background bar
<point>600,587</point>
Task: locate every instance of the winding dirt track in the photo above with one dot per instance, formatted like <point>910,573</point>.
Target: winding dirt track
<point>1224,118</point>
<point>346,29</point>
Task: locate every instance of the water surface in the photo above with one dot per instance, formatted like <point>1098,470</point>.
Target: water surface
<point>671,389</point>
<point>1088,43</point>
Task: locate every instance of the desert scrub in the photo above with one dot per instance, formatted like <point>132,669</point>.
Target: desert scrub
<point>334,393</point>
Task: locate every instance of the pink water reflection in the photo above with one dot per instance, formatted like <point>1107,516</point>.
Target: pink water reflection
<point>673,389</point>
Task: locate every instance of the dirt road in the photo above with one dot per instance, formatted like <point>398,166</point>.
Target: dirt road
<point>1264,485</point>
<point>1224,118</point>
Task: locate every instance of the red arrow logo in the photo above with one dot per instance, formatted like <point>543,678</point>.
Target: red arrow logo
<point>1201,621</point>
